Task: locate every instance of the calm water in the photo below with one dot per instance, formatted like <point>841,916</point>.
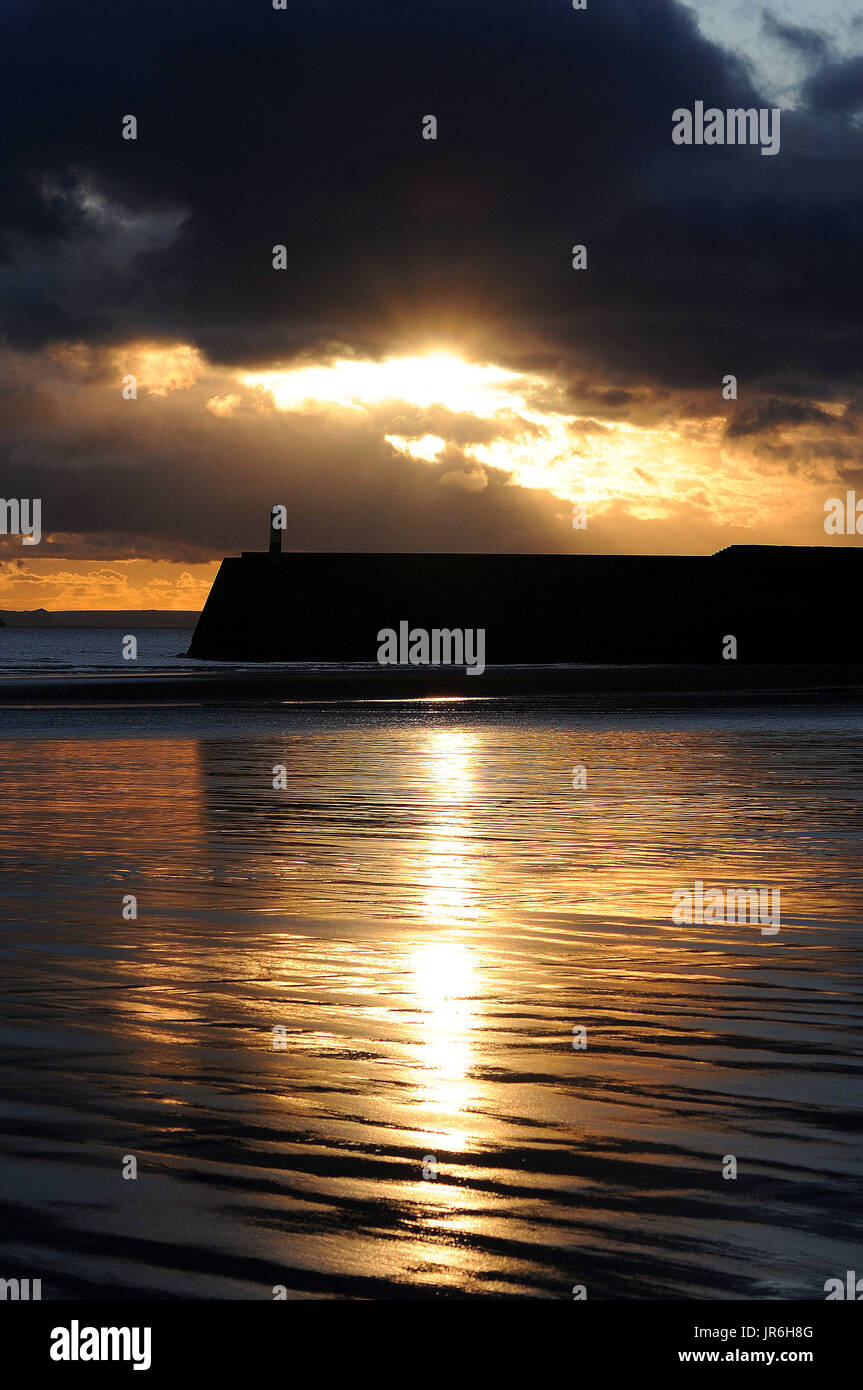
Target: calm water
<point>428,909</point>
<point>91,650</point>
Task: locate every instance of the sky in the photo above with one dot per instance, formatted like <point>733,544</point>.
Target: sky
<point>428,371</point>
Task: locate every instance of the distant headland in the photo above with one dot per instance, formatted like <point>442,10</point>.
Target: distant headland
<point>133,619</point>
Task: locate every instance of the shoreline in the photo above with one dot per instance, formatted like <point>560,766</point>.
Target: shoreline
<point>825,683</point>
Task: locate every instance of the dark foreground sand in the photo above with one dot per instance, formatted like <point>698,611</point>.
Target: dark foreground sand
<point>373,682</point>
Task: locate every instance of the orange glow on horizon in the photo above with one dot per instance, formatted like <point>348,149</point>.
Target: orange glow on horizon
<point>667,480</point>
<point>108,586</point>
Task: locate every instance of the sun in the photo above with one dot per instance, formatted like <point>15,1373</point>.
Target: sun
<point>437,378</point>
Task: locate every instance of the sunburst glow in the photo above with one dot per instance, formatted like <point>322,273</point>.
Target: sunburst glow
<point>532,435</point>
<point>438,378</point>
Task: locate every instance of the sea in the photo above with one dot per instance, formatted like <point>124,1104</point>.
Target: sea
<point>387,999</point>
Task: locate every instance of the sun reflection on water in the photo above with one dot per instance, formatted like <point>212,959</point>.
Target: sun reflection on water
<point>446,988</point>
<point>449,870</point>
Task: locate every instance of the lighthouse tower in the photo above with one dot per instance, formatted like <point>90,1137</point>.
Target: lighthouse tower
<point>276,528</point>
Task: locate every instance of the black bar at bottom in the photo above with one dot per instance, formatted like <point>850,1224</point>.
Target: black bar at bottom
<point>410,1341</point>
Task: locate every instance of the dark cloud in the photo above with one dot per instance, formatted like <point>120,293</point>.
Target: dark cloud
<point>776,414</point>
<point>836,87</point>
<point>302,127</point>
<point>808,43</point>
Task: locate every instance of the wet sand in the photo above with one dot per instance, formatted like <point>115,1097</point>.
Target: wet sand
<point>384,683</point>
<point>428,909</point>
